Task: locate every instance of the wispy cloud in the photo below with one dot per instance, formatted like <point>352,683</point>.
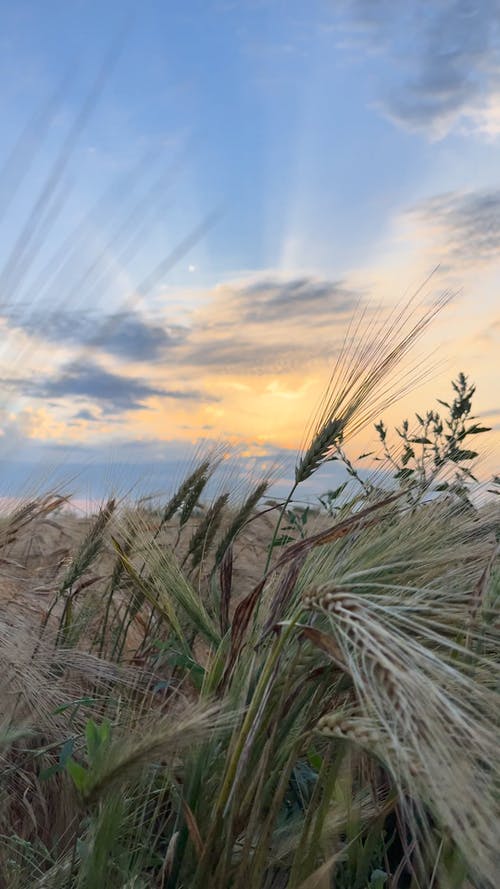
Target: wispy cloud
<point>300,298</point>
<point>463,226</point>
<point>269,325</point>
<point>250,363</point>
<point>262,323</point>
<point>444,57</point>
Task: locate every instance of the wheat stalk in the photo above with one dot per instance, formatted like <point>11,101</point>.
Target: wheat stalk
<point>355,394</point>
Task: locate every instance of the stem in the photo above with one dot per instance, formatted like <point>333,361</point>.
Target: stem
<point>232,767</point>
<point>278,524</point>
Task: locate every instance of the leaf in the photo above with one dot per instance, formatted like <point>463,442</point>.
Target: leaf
<point>332,495</point>
<point>458,455</point>
<point>476,429</point>
<point>282,595</point>
<point>403,473</point>
<point>105,731</point>
<point>76,703</point>
<point>192,667</point>
<point>78,774</point>
<point>325,642</point>
<point>408,455</point>
<point>93,739</point>
<point>66,751</point>
<point>239,625</point>
<point>335,532</point>
<point>193,829</point>
<point>314,759</point>
<point>46,774</point>
<point>226,582</point>
<point>85,584</point>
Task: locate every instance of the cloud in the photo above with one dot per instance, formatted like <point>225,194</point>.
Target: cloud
<point>114,392</point>
<point>84,414</point>
<point>254,327</point>
<point>486,117</point>
<point>443,57</point>
<point>129,336</point>
<point>246,356</point>
<point>297,299</point>
<point>259,325</point>
<point>139,467</point>
<point>268,325</point>
<point>465,224</point>
<point>126,335</point>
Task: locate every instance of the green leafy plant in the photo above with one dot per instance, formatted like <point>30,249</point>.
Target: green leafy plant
<point>436,445</point>
<point>98,739</point>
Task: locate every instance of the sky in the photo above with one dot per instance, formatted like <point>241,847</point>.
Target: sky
<point>196,197</point>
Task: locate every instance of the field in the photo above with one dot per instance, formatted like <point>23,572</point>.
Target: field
<point>223,690</point>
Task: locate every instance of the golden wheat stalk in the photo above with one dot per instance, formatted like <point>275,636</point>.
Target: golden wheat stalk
<point>361,385</point>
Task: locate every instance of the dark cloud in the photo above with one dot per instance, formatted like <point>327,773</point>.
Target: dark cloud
<point>242,329</point>
<point>444,56</point>
<point>96,384</point>
<point>468,222</point>
<point>127,335</point>
<point>246,330</point>
<point>271,300</point>
<point>114,392</point>
<point>259,359</point>
<point>86,415</point>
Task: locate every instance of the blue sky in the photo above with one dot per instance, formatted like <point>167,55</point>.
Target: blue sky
<point>346,147</point>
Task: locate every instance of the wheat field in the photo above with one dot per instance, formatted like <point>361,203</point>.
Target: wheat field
<point>232,691</point>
